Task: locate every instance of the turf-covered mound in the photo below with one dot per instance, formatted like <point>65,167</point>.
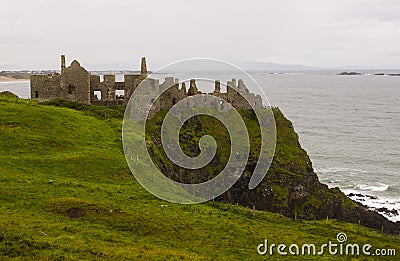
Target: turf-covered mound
<point>66,193</point>
<point>8,94</point>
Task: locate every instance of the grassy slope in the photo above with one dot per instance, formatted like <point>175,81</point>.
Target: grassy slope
<point>54,159</point>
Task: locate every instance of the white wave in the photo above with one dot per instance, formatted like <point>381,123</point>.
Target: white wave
<point>339,169</point>
<point>379,187</point>
<point>366,195</point>
<point>379,203</point>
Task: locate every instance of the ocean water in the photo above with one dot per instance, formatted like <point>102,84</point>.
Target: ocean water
<point>349,125</point>
<point>20,88</point>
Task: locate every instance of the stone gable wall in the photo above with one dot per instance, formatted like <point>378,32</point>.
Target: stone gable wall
<point>75,84</point>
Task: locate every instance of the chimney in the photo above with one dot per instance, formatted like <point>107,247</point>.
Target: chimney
<point>143,69</point>
<point>217,86</point>
<point>62,63</point>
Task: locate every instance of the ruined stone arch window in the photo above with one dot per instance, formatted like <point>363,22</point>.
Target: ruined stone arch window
<point>174,101</point>
<point>71,89</point>
<point>221,102</point>
<point>97,95</point>
<point>36,94</point>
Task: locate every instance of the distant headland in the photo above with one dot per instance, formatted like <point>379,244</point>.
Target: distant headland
<point>376,74</point>
<point>6,76</point>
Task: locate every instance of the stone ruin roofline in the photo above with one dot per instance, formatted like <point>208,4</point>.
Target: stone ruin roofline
<point>239,85</point>
<point>143,71</point>
<point>75,83</point>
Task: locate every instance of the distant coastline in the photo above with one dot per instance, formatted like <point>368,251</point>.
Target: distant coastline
<point>13,76</point>
<point>10,79</point>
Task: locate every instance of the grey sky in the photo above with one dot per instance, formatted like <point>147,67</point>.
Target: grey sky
<point>106,34</point>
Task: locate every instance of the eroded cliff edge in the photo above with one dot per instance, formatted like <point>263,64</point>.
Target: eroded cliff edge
<point>290,187</point>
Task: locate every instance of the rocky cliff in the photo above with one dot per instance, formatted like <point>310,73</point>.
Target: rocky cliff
<point>290,187</point>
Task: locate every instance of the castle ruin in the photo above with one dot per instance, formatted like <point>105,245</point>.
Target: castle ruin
<point>75,83</point>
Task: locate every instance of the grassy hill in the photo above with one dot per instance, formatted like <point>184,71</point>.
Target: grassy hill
<point>66,193</point>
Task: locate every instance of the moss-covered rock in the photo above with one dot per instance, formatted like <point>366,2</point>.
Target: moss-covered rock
<point>290,187</point>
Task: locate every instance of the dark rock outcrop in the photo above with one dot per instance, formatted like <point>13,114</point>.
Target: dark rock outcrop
<point>349,73</point>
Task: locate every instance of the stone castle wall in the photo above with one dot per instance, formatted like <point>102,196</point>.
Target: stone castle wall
<point>237,95</point>
<point>76,84</point>
<point>45,87</point>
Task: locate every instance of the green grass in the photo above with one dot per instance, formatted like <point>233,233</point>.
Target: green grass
<point>54,160</point>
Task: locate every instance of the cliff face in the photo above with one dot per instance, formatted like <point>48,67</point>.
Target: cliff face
<point>290,187</point>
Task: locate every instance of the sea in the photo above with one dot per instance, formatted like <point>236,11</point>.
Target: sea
<point>349,126</point>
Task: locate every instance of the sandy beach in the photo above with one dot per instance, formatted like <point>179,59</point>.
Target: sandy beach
<point>9,79</point>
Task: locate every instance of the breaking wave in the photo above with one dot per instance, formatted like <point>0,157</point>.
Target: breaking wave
<point>379,187</point>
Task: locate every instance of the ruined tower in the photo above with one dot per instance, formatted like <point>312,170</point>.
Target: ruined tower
<point>193,88</point>
<point>143,68</point>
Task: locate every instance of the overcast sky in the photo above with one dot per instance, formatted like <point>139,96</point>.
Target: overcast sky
<point>112,34</point>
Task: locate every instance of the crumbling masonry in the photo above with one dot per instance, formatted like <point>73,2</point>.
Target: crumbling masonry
<point>75,83</point>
